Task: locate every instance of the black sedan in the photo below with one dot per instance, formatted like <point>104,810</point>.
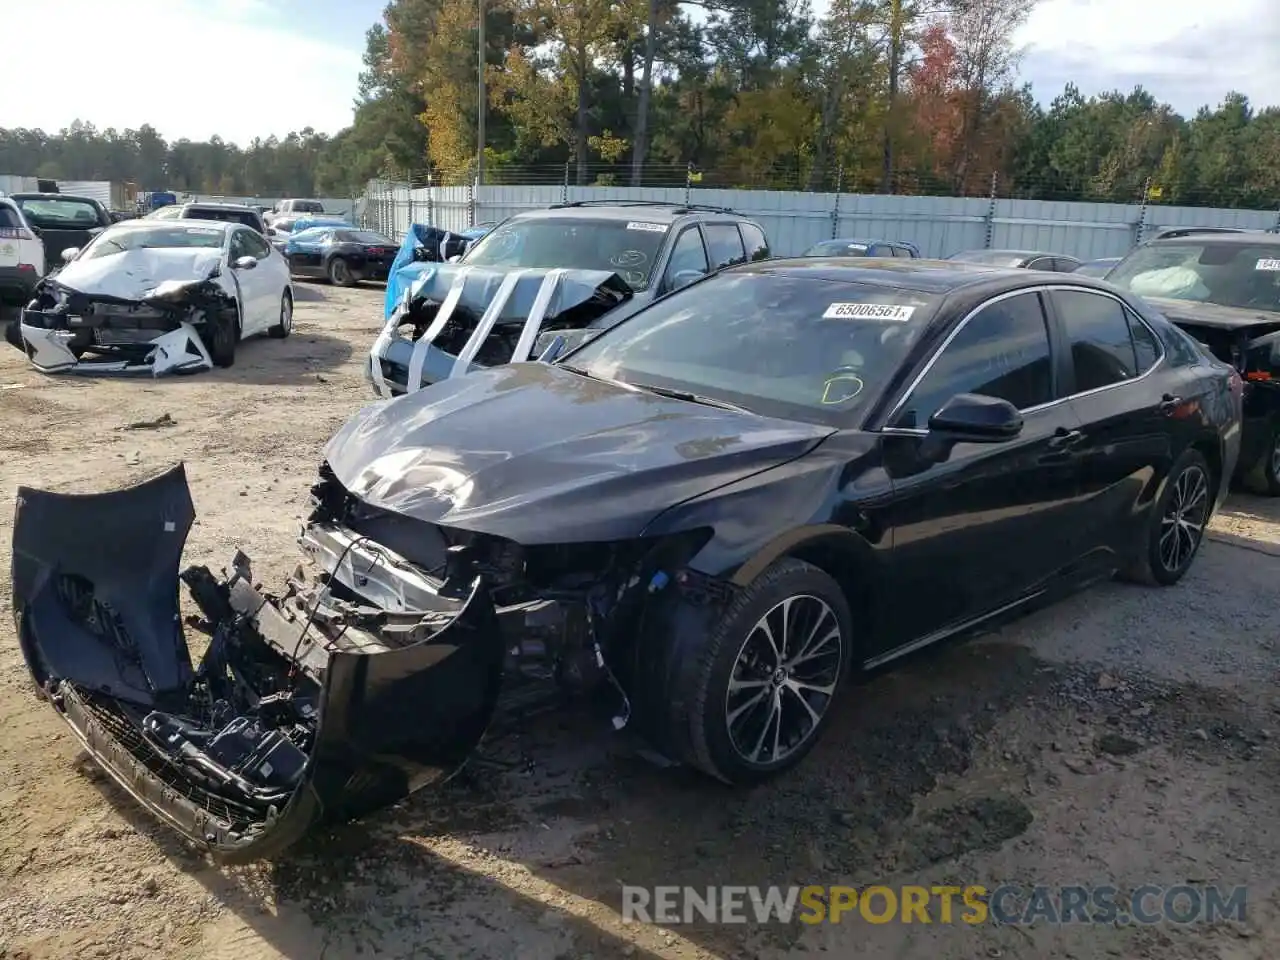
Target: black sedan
<point>710,516</point>
<point>342,255</point>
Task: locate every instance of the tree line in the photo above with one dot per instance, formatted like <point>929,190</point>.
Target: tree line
<point>894,96</point>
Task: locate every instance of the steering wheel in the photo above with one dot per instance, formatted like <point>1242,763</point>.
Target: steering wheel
<point>841,385</point>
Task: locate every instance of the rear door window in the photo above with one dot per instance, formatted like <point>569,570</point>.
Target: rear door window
<point>10,219</point>
<point>724,244</point>
<point>1102,346</point>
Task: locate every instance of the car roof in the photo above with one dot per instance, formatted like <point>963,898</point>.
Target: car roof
<point>1018,253</point>
<point>865,240</point>
<point>653,212</point>
<point>238,207</point>
<point>937,277</point>
<point>50,196</point>
<point>172,223</point>
<point>1250,238</point>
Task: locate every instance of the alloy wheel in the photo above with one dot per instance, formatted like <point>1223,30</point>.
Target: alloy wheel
<point>1182,525</point>
<point>783,680</point>
<point>341,273</point>
<point>286,313</point>
<point>1275,455</point>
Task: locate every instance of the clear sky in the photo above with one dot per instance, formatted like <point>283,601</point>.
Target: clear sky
<point>246,68</point>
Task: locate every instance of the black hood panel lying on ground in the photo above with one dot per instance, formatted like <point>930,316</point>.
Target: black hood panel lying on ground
<point>533,452</point>
<point>285,723</point>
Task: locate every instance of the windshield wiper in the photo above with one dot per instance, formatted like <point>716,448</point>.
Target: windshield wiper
<point>691,397</point>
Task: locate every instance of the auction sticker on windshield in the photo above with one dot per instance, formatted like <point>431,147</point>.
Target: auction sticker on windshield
<point>1270,265</point>
<point>869,311</point>
<point>647,227</point>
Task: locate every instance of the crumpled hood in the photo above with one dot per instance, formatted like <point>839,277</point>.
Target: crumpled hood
<point>579,296</point>
<point>1213,315</point>
<point>131,274</point>
<point>534,453</point>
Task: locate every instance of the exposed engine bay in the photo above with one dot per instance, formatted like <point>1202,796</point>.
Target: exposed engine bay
<point>375,672</point>
<point>167,330</point>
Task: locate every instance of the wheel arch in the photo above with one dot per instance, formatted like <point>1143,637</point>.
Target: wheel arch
<point>837,551</point>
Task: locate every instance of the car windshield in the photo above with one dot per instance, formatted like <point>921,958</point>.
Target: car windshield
<point>1098,268</point>
<point>307,206</point>
<point>284,225</point>
<point>1230,274</point>
<point>160,236</point>
<point>837,248</point>
<point>994,258</point>
<point>58,213</point>
<point>776,344</point>
<point>625,247</point>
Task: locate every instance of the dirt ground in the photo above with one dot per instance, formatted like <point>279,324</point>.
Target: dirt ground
<point>1124,736</point>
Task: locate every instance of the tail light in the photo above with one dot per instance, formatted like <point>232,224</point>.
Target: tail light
<point>26,268</point>
<point>16,233</point>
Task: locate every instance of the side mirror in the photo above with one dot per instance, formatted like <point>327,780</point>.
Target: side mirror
<point>685,277</point>
<point>70,253</point>
<point>245,263</point>
<point>554,349</point>
<point>974,418</point>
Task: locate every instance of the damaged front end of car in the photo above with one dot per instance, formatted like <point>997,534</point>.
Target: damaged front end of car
<point>164,331</point>
<point>376,671</point>
<point>304,708</point>
<point>455,318</point>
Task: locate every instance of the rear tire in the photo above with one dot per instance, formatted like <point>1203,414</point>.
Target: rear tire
<point>339,272</point>
<point>759,692</point>
<point>1264,478</point>
<point>1176,527</point>
<point>285,326</point>
<point>221,335</point>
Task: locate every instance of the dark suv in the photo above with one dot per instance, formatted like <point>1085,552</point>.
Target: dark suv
<point>1223,288</point>
<point>567,272</point>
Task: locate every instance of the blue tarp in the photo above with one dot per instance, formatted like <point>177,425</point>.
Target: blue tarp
<point>405,269</point>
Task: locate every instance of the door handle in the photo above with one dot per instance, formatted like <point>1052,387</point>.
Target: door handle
<point>1169,403</point>
<point>1064,439</point>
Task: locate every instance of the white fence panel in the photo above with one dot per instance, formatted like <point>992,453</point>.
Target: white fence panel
<point>794,221</point>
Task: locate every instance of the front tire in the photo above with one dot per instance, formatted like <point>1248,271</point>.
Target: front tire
<point>340,274</point>
<point>221,335</point>
<point>1178,519</point>
<point>285,326</point>
<point>765,681</point>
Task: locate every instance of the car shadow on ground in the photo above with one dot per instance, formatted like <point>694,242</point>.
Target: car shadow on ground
<point>532,843</point>
<point>294,361</point>
<point>309,291</point>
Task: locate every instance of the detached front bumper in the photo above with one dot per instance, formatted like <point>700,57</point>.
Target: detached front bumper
<point>56,342</point>
<point>305,709</point>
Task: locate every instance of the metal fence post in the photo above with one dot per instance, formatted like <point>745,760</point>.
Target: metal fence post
<point>1140,228</point>
<point>991,209</point>
<point>431,213</point>
<point>409,225</point>
<point>564,189</point>
<point>471,203</point>
<point>835,208</point>
<point>688,183</point>
<point>1277,226</point>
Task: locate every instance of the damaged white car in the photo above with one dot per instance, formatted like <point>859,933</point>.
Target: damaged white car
<point>157,297</point>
